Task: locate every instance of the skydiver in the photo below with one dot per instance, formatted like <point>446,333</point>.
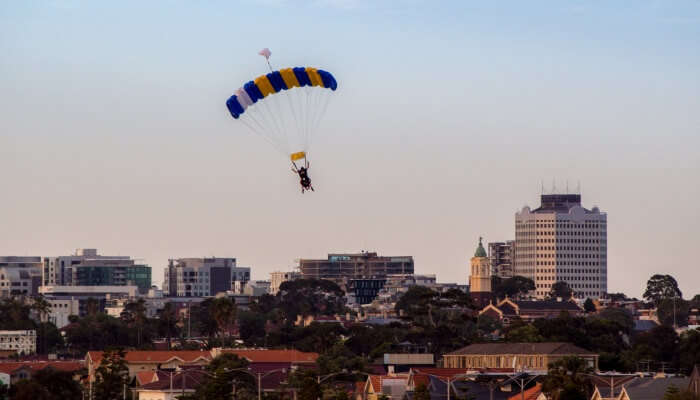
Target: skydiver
<point>304,179</point>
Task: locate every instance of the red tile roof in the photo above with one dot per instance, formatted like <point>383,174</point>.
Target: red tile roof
<point>274,356</point>
<point>530,394</point>
<point>139,356</point>
<point>190,379</point>
<point>144,377</point>
<point>69,366</point>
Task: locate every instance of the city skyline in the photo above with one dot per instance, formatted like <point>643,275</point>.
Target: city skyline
<point>447,119</point>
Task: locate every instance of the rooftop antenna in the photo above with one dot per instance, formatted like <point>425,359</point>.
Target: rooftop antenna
<point>554,186</point>
<point>542,183</point>
<point>567,186</point>
<point>578,188</point>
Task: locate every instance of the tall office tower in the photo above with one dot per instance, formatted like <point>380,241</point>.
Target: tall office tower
<point>197,277</point>
<point>501,258</point>
<point>341,267</point>
<point>562,241</point>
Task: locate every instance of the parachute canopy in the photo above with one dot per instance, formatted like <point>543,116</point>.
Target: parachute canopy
<point>288,124</point>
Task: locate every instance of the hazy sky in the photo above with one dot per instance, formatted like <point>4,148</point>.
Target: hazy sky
<point>449,114</point>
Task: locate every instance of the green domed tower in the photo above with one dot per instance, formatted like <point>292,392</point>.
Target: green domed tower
<point>480,278</point>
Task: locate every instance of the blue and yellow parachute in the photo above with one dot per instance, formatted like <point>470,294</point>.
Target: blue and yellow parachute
<point>275,82</point>
<point>285,107</point>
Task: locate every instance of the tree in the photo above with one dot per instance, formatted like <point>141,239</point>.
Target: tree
<point>421,393</point>
<point>310,297</point>
<point>661,287</point>
<point>224,313</point>
<point>566,379</point>
<point>305,381</point>
<point>561,289</point>
<point>524,334</point>
<point>621,316</point>
<point>589,306</point>
<point>417,304</point>
<point>112,376</point>
<point>673,312</point>
<point>617,296</point>
<point>167,322</point>
<point>47,384</point>
<point>225,380</point>
<point>515,287</point>
<point>689,350</point>
<point>339,358</point>
<point>487,324</point>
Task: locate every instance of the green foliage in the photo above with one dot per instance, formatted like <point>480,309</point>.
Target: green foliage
<point>566,379</point>
<point>523,334</point>
<point>167,322</point>
<point>589,306</point>
<point>306,383</point>
<point>252,327</point>
<point>223,311</point>
<point>667,307</point>
<point>226,380</point>
<point>417,305</point>
<point>689,350</point>
<point>421,393</point>
<point>514,287</point>
<point>620,316</point>
<point>112,376</point>
<point>46,384</point>
<point>339,358</point>
<point>487,324</point>
<point>661,287</point>
<point>15,314</point>
<point>561,289</point>
<point>310,297</point>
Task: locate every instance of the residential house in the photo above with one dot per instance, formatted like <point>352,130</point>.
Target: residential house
<point>170,385</point>
<point>508,310</point>
<point>638,388</point>
<point>138,360</point>
<point>18,370</point>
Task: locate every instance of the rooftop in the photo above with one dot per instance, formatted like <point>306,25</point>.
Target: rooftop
<point>521,348</point>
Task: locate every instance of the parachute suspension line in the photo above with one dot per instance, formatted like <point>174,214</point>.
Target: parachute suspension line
<point>284,125</point>
<point>272,121</point>
<point>297,126</point>
<point>252,128</point>
<point>260,130</point>
<point>309,111</point>
<point>325,100</point>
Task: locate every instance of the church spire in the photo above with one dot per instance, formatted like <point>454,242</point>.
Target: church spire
<point>480,252</point>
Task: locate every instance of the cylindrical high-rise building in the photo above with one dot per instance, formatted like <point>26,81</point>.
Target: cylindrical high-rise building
<point>562,241</point>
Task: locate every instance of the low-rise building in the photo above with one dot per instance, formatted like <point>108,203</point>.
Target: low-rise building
<point>341,267</point>
<point>520,356</point>
<point>67,295</point>
<point>508,310</point>
<point>197,277</point>
<point>19,276</point>
<point>170,385</point>
<point>19,370</point>
<point>277,278</point>
<point>87,268</point>
<point>23,342</point>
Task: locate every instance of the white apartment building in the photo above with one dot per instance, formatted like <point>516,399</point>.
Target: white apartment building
<point>562,241</point>
<point>61,309</point>
<point>23,342</point>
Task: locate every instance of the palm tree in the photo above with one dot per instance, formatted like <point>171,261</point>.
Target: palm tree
<point>224,313</point>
